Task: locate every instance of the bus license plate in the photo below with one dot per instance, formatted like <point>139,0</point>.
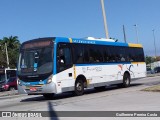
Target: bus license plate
<point>33,89</point>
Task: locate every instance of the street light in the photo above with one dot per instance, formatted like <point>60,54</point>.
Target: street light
<point>104,18</point>
<point>136,33</point>
<point>124,33</point>
<point>154,38</point>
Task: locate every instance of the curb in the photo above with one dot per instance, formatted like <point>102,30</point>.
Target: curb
<point>8,93</point>
<point>153,75</point>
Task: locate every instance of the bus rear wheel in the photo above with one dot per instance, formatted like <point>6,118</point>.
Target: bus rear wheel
<point>126,80</point>
<point>48,96</point>
<point>79,88</point>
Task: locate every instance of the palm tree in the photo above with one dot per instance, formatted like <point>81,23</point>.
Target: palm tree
<point>13,45</point>
<point>12,42</point>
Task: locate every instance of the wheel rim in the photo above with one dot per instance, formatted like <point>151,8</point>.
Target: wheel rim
<point>127,80</point>
<point>79,86</point>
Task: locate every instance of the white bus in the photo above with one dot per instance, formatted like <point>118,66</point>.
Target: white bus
<point>55,65</point>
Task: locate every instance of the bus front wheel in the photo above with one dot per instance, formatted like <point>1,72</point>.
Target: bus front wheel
<point>79,88</point>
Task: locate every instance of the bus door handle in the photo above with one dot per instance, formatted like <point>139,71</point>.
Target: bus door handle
<point>70,74</point>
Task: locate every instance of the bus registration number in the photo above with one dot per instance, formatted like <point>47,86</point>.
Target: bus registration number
<point>33,89</point>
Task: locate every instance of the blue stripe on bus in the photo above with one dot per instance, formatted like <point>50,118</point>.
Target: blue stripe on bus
<point>61,39</point>
<point>55,58</point>
<point>96,64</point>
<point>98,42</point>
<point>85,41</point>
<point>34,83</point>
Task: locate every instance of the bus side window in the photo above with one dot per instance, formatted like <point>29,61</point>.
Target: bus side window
<point>112,55</point>
<point>77,53</point>
<point>106,54</point>
<point>61,58</point>
<point>64,58</point>
<point>67,56</point>
<point>86,54</point>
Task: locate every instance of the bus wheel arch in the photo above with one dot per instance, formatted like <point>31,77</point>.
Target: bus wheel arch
<point>126,79</point>
<point>80,84</point>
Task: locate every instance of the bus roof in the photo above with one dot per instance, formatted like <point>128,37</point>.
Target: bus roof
<point>88,40</point>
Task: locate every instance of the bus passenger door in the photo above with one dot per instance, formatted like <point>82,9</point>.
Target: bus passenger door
<point>65,67</point>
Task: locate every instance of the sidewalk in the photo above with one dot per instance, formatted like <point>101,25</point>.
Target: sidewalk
<point>8,93</point>
<point>153,75</point>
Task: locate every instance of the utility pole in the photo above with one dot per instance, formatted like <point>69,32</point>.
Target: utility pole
<point>136,33</point>
<point>104,19</point>
<point>154,38</point>
<point>124,33</point>
<point>7,55</point>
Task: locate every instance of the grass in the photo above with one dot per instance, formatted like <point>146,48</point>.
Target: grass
<point>155,88</point>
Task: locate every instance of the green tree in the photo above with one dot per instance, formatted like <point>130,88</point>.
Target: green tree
<point>13,45</point>
<point>149,59</point>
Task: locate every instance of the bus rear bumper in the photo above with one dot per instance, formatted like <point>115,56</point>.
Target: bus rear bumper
<point>33,90</point>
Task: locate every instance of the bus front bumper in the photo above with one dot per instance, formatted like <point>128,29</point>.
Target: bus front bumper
<point>37,89</point>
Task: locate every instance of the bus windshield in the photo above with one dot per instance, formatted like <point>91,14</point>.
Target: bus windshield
<point>37,61</point>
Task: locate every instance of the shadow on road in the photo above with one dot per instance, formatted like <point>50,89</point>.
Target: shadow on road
<point>70,94</point>
<point>51,112</point>
<point>41,98</point>
<point>110,88</point>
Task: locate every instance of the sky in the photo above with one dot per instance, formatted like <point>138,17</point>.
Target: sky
<point>30,19</point>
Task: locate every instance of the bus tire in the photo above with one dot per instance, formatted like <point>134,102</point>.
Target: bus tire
<point>48,96</point>
<point>79,87</point>
<point>126,80</point>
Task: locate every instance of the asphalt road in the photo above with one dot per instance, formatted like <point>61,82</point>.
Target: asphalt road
<point>112,99</point>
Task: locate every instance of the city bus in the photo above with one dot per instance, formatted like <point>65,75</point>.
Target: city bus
<point>54,65</point>
<point>5,75</point>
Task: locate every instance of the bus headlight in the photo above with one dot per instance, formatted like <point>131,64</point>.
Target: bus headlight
<point>49,79</point>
